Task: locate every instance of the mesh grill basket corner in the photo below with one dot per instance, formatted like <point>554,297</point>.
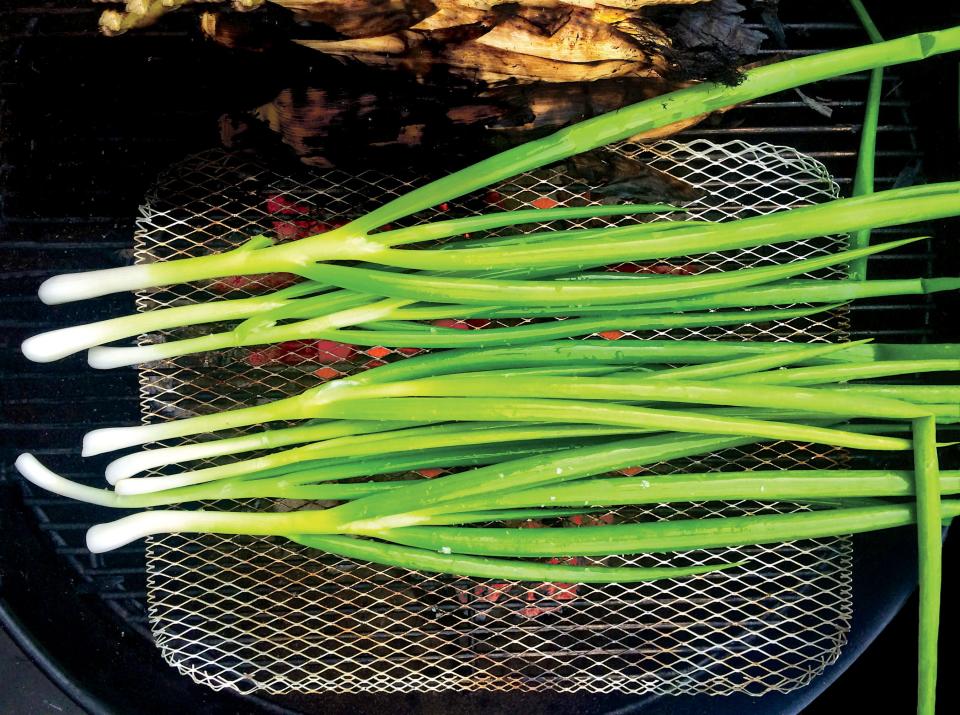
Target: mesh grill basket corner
<point>262,614</point>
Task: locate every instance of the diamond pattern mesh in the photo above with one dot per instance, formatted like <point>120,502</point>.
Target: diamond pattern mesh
<point>262,614</point>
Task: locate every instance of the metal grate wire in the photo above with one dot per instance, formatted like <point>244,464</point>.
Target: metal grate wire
<point>262,614</point>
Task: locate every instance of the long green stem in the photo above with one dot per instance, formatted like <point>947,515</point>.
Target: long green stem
<point>266,439</point>
<point>533,471</point>
<point>578,292</point>
<point>267,484</point>
<point>634,389</point>
<point>437,436</point>
<point>505,569</point>
<point>788,292</point>
<point>471,224</point>
<point>416,336</point>
<point>395,441</point>
<point>657,537</point>
<point>528,471</point>
<point>835,373</point>
<point>120,471</point>
<point>350,241</point>
<point>661,111</point>
<point>866,156</point>
<point>538,332</point>
<point>563,353</point>
<point>779,485</point>
<point>546,354</point>
<point>775,485</point>
<point>485,409</point>
<point>889,208</point>
<point>930,558</point>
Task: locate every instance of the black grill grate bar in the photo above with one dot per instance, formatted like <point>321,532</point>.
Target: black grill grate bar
<point>848,103</point>
<point>123,595</point>
<point>866,307</point>
<point>800,129</point>
<point>84,551</point>
<point>807,26</point>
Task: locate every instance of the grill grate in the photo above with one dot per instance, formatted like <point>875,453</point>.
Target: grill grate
<point>258,614</point>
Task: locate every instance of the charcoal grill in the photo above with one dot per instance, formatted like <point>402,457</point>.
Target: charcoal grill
<point>85,138</point>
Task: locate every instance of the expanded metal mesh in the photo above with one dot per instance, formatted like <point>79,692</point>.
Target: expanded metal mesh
<point>263,614</point>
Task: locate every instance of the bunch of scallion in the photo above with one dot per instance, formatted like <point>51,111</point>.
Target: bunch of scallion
<point>369,286</point>
<point>538,424</point>
<point>539,428</point>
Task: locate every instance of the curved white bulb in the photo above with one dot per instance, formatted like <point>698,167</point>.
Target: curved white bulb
<point>105,358</point>
<point>109,439</point>
<point>91,284</point>
<point>57,344</point>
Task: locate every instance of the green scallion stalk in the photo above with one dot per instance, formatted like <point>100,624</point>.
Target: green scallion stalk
<point>365,403</point>
<point>134,463</point>
<point>395,441</point>
<point>866,156</point>
<point>918,394</point>
<point>775,485</point>
<point>482,567</point>
<point>587,291</point>
<point>359,311</point>
<point>351,241</point>
<point>782,293</point>
<point>634,389</point>
<point>889,208</point>
<point>472,224</point>
<point>274,482</point>
<point>779,485</point>
<point>660,536</point>
<point>562,465</point>
<point>930,559</point>
<point>835,373</point>
<point>548,354</point>
<point>416,336</point>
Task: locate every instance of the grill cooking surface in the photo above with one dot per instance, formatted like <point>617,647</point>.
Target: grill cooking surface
<point>103,117</point>
<point>263,614</point>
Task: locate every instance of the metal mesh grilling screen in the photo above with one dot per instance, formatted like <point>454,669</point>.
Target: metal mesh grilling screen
<point>263,614</point>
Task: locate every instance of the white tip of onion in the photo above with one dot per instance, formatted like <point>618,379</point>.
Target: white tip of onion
<point>109,439</point>
<point>77,286</point>
<point>57,344</point>
<point>59,289</point>
<point>126,466</point>
<point>103,358</point>
<point>34,472</point>
<point>114,534</point>
<point>128,485</point>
